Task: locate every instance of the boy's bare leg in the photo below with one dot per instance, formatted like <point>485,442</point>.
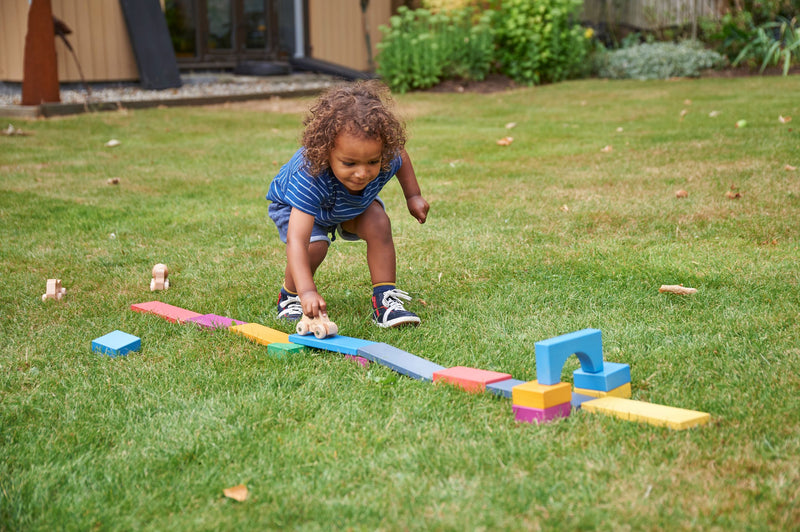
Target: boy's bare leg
<point>374,227</point>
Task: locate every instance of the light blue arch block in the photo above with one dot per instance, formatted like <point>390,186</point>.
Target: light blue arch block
<point>551,354</point>
<point>613,375</point>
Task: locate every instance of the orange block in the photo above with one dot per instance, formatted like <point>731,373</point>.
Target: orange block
<point>470,379</point>
<point>261,334</point>
<point>535,395</point>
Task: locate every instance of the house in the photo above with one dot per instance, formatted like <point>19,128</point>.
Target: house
<point>205,34</point>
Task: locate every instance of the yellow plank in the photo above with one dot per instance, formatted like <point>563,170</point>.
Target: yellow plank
<point>260,333</point>
<point>535,395</point>
<point>623,391</point>
<point>659,415</point>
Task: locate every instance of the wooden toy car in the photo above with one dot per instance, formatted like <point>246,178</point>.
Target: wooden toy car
<point>159,281</point>
<point>321,326</point>
<point>54,290</point>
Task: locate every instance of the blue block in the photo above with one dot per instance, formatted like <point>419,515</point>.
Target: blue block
<point>400,361</point>
<point>578,399</point>
<point>116,343</point>
<point>613,375</point>
<point>551,354</point>
<point>503,387</point>
<point>339,344</point>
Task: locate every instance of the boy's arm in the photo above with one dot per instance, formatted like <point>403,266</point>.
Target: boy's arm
<point>297,237</point>
<point>417,205</point>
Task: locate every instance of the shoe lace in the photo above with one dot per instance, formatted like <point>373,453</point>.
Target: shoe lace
<point>392,299</point>
<point>291,303</point>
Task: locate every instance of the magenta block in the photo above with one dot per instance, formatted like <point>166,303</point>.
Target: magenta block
<point>212,321</point>
<point>361,360</point>
<point>541,415</point>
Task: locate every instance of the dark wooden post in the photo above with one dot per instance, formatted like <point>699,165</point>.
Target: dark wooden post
<point>40,76</point>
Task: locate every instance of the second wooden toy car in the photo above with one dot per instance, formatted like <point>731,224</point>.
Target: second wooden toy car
<point>159,281</point>
<point>54,290</point>
<point>321,326</point>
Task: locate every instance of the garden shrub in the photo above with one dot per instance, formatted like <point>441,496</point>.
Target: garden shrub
<point>539,41</point>
<point>420,49</point>
<point>658,60</point>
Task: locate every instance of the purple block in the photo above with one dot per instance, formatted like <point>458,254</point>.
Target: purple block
<point>540,415</point>
<point>212,321</point>
<point>361,360</point>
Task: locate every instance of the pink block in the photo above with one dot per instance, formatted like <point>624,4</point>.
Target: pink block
<point>168,312</point>
<point>361,360</point>
<point>470,379</point>
<point>541,415</point>
<point>214,321</point>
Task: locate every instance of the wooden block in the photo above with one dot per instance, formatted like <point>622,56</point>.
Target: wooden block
<point>338,344</point>
<point>166,311</point>
<point>213,321</point>
<point>503,388</point>
<point>623,391</point>
<point>470,379</point>
<point>613,375</point>
<point>535,395</point>
<point>116,343</point>
<point>551,354</point>
<point>400,361</point>
<point>659,415</point>
<point>540,415</point>
<point>280,349</point>
<point>260,334</point>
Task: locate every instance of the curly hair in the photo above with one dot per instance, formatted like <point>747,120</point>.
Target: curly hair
<point>363,109</point>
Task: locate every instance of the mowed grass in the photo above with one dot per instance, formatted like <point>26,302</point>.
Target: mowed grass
<point>546,236</point>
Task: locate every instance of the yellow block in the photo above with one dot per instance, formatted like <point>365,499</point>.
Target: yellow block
<point>659,415</point>
<point>535,395</point>
<point>623,391</point>
<point>260,333</point>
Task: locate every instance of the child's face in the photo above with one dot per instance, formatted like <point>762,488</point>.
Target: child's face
<point>355,161</point>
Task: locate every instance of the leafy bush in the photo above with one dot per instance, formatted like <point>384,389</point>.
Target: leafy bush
<point>419,49</point>
<point>773,43</point>
<point>539,41</point>
<point>659,60</point>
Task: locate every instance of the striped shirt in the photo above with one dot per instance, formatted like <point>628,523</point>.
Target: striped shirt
<point>323,196</point>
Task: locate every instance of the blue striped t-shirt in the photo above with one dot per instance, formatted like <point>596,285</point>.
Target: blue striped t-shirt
<point>323,196</point>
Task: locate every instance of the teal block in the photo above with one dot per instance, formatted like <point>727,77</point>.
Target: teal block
<point>338,344</point>
<point>613,375</point>
<point>551,354</point>
<point>116,343</point>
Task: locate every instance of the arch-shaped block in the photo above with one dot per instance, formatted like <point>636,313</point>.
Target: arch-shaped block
<point>551,354</point>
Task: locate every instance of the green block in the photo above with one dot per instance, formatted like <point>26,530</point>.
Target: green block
<point>278,349</point>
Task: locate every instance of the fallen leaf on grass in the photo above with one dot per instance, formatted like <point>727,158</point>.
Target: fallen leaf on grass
<point>713,114</point>
<point>677,289</point>
<point>607,149</point>
<point>790,168</point>
<point>113,143</point>
<point>681,194</point>
<point>684,112</point>
<point>511,125</point>
<point>113,181</point>
<point>732,194</point>
<point>564,208</point>
<point>505,141</point>
<point>687,102</point>
<point>784,119</point>
<point>237,493</point>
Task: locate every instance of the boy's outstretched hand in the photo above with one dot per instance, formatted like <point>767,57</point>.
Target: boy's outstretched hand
<point>418,208</point>
<point>313,304</point>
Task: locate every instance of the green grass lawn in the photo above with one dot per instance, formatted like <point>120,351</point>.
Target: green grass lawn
<point>546,236</point>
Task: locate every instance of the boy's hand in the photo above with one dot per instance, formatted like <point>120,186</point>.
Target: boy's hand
<point>418,208</point>
<point>313,304</point>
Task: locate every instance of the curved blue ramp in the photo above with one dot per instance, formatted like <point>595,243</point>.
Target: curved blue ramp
<point>551,354</point>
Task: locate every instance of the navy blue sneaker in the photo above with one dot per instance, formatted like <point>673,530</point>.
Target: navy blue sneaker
<point>389,310</point>
<point>289,307</point>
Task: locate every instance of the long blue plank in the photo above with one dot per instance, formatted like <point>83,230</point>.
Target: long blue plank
<point>338,343</point>
<point>400,361</point>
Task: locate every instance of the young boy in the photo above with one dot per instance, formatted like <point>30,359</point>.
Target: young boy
<point>353,145</point>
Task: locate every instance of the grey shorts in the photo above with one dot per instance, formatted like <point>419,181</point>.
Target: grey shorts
<point>279,213</point>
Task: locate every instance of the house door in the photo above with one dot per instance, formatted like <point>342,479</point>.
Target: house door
<point>222,33</point>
